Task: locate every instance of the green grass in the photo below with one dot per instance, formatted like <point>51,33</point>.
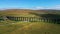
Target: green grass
<point>30,28</point>
<point>11,27</point>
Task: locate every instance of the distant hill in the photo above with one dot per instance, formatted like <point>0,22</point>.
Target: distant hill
<point>27,11</point>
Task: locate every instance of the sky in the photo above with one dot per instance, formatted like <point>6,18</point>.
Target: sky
<point>30,4</point>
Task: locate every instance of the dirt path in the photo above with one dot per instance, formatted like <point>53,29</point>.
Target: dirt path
<point>21,29</point>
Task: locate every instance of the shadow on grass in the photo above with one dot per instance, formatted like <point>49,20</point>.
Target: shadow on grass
<point>53,18</point>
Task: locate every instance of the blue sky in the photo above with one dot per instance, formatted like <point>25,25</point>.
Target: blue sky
<point>32,4</point>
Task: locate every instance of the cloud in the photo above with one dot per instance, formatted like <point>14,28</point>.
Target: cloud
<point>57,7</point>
<point>39,8</point>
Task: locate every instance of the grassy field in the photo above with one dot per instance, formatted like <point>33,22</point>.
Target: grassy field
<point>16,27</point>
<point>30,28</point>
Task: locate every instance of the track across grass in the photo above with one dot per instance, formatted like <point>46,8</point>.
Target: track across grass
<point>30,28</point>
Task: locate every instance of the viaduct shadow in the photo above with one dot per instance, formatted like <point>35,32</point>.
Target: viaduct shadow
<point>52,18</point>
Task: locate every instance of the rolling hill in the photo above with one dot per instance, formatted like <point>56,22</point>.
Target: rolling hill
<point>13,27</point>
